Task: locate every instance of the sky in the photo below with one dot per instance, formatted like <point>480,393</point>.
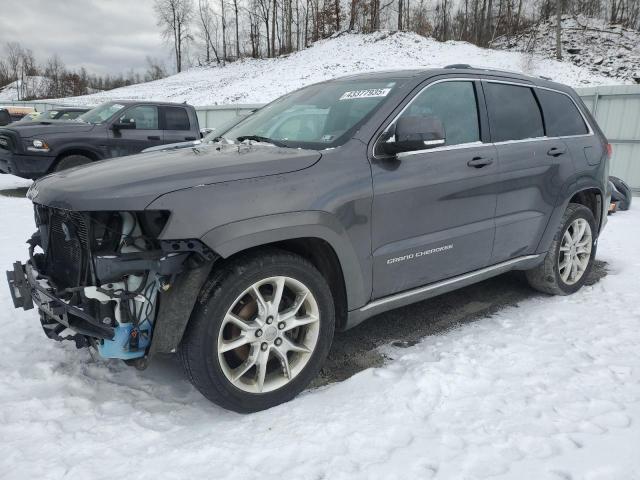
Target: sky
<point>104,36</point>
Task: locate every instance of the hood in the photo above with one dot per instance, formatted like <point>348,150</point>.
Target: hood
<point>49,127</point>
<point>132,183</point>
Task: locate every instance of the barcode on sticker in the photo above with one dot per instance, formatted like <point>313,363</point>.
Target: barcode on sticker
<point>369,93</point>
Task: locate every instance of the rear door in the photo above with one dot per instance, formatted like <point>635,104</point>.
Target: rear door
<point>532,167</point>
<point>146,133</point>
<point>433,210</point>
<point>176,125</point>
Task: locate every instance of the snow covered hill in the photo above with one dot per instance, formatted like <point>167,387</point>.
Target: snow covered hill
<point>31,87</point>
<point>593,44</point>
<point>258,81</point>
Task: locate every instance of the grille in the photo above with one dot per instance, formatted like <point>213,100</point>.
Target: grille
<point>68,249</point>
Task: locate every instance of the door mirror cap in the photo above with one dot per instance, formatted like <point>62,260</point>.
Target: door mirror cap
<point>413,133</point>
<point>125,124</point>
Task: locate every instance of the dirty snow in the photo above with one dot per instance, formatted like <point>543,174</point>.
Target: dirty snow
<point>259,81</point>
<point>546,390</point>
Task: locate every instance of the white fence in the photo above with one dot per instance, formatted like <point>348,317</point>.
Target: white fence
<point>617,111</point>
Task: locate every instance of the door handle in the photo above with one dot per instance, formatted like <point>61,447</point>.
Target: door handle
<point>189,138</point>
<point>479,162</point>
<point>556,151</point>
<point>153,137</point>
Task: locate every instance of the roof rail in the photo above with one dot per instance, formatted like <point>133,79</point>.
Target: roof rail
<point>459,65</point>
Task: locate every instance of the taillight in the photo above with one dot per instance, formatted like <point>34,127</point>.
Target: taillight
<point>609,150</point>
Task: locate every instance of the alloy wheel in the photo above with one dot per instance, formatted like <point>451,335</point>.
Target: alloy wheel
<point>269,334</point>
<point>575,251</point>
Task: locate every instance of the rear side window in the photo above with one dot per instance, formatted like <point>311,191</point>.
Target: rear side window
<point>561,116</point>
<point>514,113</point>
<point>454,104</point>
<point>176,118</point>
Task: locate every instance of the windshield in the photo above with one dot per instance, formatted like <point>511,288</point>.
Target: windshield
<point>101,113</point>
<point>319,116</point>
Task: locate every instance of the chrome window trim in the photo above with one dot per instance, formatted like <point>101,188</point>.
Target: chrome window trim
<point>439,149</point>
<point>480,143</point>
<point>459,146</point>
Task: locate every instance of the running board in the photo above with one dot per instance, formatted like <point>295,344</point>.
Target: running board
<point>422,293</point>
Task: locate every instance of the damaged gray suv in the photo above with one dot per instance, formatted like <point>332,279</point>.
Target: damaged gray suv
<point>332,204</point>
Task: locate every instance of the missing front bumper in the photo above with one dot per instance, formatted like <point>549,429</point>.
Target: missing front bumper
<point>56,314</point>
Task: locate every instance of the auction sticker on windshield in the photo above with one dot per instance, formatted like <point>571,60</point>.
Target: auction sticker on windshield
<point>369,93</point>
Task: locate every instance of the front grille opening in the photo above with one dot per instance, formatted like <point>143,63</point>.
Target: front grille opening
<point>68,248</point>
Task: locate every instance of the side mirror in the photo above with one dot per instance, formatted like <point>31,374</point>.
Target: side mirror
<point>415,133</point>
<point>125,124</point>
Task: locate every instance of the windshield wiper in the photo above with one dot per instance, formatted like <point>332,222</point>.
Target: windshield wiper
<point>258,138</point>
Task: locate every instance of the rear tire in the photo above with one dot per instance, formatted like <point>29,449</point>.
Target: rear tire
<point>569,260</point>
<point>71,161</point>
<point>625,190</point>
<point>244,349</point>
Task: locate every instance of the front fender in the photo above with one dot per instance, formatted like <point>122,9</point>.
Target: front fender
<point>235,237</point>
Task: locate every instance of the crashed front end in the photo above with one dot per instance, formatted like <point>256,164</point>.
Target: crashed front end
<point>105,280</point>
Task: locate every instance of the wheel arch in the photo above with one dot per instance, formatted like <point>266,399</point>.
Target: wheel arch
<point>317,236</point>
<point>590,194</point>
<point>83,150</point>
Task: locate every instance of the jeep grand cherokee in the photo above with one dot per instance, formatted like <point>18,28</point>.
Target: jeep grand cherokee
<point>330,205</point>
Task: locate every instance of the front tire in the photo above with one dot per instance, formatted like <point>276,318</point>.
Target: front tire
<point>71,161</point>
<point>569,260</point>
<point>260,332</point>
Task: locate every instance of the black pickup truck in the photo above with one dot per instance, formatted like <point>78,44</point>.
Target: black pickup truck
<point>114,129</point>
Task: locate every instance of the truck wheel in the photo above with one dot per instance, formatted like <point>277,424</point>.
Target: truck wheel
<point>71,161</point>
<point>625,190</point>
<point>261,331</point>
<point>570,257</point>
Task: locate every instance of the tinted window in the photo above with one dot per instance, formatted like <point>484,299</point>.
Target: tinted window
<point>454,104</point>
<point>176,118</point>
<point>514,113</point>
<point>561,117</point>
<point>144,116</point>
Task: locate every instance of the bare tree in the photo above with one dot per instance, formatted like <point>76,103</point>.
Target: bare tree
<point>174,16</point>
<point>559,29</point>
<point>155,69</point>
<point>208,30</point>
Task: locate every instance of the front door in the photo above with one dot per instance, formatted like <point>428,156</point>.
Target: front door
<point>433,210</point>
<point>144,131</point>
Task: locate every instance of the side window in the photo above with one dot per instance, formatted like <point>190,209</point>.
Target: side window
<point>455,105</point>
<point>176,118</point>
<point>561,116</point>
<point>514,113</point>
<point>145,117</point>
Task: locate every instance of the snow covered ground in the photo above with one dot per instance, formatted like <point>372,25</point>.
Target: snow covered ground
<point>259,81</point>
<point>549,389</point>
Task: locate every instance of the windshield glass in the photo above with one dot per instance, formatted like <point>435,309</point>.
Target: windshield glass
<point>319,116</point>
<point>101,113</point>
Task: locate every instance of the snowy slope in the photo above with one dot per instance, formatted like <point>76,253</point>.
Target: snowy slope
<point>594,44</point>
<point>258,81</point>
<point>546,390</point>
<point>31,87</point>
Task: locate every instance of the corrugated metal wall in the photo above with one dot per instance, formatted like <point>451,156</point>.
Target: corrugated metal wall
<point>617,111</point>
